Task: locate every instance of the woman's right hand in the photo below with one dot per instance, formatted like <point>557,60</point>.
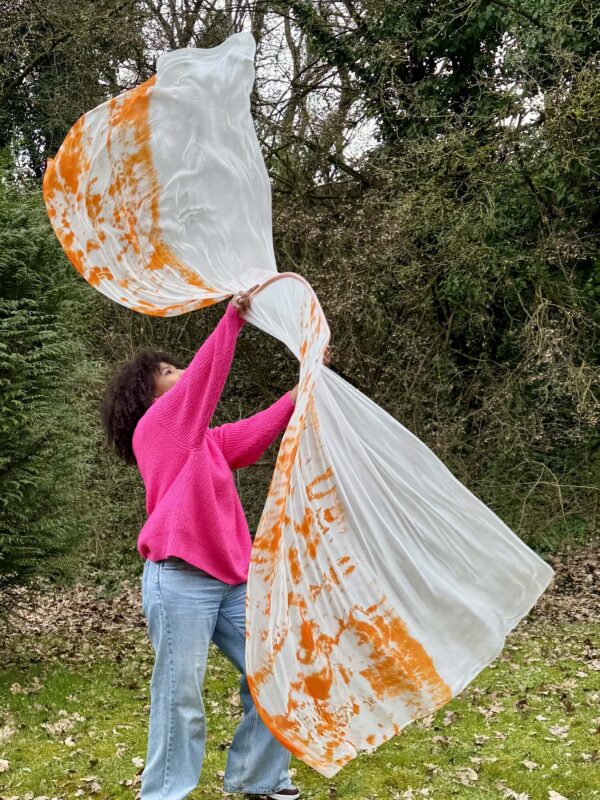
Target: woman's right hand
<point>241,300</point>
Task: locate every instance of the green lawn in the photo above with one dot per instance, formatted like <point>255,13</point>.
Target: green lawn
<point>74,715</point>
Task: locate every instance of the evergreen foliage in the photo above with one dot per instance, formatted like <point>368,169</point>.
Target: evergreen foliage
<point>44,375</point>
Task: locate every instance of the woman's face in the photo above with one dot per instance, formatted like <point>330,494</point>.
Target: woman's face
<point>166,376</point>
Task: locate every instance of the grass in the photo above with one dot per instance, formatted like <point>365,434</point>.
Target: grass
<point>75,725</point>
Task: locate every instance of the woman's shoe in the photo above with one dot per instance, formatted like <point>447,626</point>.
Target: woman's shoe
<point>289,793</point>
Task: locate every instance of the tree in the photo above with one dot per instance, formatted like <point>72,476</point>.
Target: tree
<point>58,60</point>
<point>45,375</point>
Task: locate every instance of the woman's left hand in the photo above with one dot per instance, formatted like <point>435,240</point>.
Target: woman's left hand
<point>241,300</point>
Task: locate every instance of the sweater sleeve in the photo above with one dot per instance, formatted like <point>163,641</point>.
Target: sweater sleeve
<point>243,442</point>
<point>187,407</point>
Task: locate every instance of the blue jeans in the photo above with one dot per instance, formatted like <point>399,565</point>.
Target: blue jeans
<point>185,608</point>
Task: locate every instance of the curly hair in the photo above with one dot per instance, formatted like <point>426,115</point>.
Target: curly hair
<point>128,396</point>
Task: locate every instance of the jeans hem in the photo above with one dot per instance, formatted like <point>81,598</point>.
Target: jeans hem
<point>283,785</point>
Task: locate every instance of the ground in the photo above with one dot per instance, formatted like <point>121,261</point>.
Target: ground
<point>74,692</point>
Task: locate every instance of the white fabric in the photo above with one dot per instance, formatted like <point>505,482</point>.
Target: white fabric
<point>379,585</point>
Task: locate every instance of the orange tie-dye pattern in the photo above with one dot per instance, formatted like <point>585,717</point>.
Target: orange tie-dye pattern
<point>328,692</point>
<point>128,205</point>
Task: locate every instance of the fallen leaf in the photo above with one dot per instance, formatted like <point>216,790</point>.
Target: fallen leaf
<point>62,725</point>
<point>529,764</point>
<point>512,795</point>
<point>561,732</point>
<point>7,731</point>
<point>467,775</point>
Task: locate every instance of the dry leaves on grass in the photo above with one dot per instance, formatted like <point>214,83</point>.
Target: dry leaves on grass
<point>529,764</point>
<point>8,729</point>
<point>574,594</point>
<point>559,731</point>
<point>80,619</point>
<point>68,624</point>
<point>412,794</point>
<point>467,776</point>
<point>35,686</point>
<point>64,724</point>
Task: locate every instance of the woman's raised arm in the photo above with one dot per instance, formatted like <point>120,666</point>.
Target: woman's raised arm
<point>187,407</point>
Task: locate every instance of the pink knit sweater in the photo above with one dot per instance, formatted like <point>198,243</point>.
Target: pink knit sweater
<point>194,510</point>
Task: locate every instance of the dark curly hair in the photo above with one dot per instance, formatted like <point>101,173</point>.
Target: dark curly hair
<point>128,396</point>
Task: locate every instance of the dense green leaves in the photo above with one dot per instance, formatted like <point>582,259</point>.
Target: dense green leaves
<point>44,379</point>
<point>57,60</point>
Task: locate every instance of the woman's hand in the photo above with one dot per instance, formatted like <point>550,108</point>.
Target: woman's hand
<point>241,300</point>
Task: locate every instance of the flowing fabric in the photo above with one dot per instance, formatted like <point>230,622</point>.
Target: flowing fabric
<point>379,585</point>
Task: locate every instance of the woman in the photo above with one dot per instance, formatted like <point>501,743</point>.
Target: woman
<point>196,545</point>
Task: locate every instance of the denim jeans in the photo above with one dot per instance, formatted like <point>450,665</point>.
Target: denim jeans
<point>186,608</point>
